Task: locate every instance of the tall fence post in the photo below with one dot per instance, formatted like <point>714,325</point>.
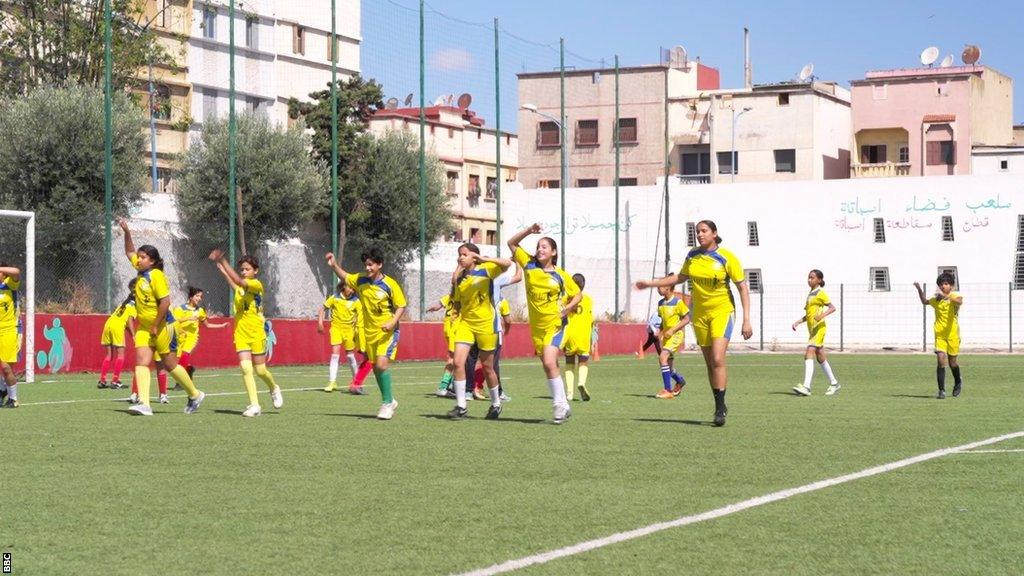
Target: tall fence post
<point>667,164</point>
<point>760,313</point>
<point>841,308</point>
<point>1009,316</point>
<point>423,170</point>
<point>617,150</point>
<point>497,143</point>
<point>924,328</point>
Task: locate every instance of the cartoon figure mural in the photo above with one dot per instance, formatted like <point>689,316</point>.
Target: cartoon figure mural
<point>268,326</point>
<point>59,356</point>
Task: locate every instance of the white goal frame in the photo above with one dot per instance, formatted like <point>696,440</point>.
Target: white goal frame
<point>29,277</point>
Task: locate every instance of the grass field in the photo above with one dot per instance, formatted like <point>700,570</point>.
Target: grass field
<point>324,488</point>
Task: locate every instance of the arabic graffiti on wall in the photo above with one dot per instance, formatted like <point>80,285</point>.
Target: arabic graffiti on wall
<point>580,223</point>
<point>854,213</point>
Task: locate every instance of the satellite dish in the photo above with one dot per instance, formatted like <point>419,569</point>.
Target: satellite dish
<point>408,100</point>
<point>677,57</point>
<point>439,101</point>
<point>971,54</point>
<point>947,61</point>
<point>465,99</point>
<point>806,72</point>
<point>929,55</point>
<point>391,104</point>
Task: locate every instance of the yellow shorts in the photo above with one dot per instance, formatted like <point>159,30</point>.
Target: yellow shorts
<point>256,347</point>
<point>187,344</point>
<point>112,337</point>
<point>10,345</point>
<point>816,337</point>
<point>449,335</point>
<point>382,344</point>
<point>674,342</point>
<point>950,346</point>
<point>550,335</point>
<point>485,339</point>
<point>712,324</point>
<point>578,344</point>
<point>164,344</point>
<point>344,336</point>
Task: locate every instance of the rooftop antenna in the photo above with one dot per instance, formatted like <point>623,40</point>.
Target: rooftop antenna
<point>807,72</point>
<point>408,101</point>
<point>971,55</point>
<point>678,58</point>
<point>465,99</point>
<point>929,55</point>
<point>947,61</point>
<point>391,104</point>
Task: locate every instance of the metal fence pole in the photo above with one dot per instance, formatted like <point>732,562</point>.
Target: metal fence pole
<point>924,328</point>
<point>334,129</point>
<point>760,313</point>
<point>562,252</point>
<point>667,164</point>
<point>617,150</point>
<point>108,159</point>
<point>423,170</point>
<point>841,287</point>
<point>497,142</point>
<point>1009,316</point>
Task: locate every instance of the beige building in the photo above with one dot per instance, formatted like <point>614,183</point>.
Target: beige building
<point>590,119</point>
<point>468,151</point>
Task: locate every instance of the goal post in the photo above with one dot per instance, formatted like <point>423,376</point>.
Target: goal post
<point>29,288</point>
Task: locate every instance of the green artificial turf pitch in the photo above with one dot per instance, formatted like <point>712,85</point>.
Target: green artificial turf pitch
<point>321,487</point>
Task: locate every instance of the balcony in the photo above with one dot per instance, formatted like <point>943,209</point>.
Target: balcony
<point>880,170</point>
<point>694,178</point>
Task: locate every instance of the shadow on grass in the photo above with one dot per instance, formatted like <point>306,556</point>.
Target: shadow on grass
<point>669,421</point>
<point>921,396</point>
<point>781,393</point>
<point>360,416</point>
<point>651,396</point>
<point>502,419</point>
<point>239,412</point>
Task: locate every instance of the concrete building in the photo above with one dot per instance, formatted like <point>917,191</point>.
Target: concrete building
<point>926,121</point>
<point>590,118</point>
<point>468,151</point>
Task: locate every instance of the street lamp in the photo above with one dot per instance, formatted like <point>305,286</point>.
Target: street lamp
<point>563,137</point>
<point>735,117</point>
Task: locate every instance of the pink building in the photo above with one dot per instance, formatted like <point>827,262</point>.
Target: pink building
<point>926,121</point>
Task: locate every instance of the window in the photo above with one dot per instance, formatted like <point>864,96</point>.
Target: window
<point>549,184</point>
<point>696,163</point>
<point>627,131</point>
<point>548,135</point>
<point>691,234</point>
<point>252,33</point>
<point>947,228</point>
<point>586,183</point>
<point>161,102</point>
<point>627,182</point>
<point>754,280</point>
<point>941,153</point>
<point>474,234</point>
<point>942,88</point>
<point>479,134</point>
<point>879,281</point>
<point>878,91</point>
<point>785,160</point>
<point>165,13</point>
<point>492,188</point>
<point>209,22</point>
<point>474,185</point>
<point>873,154</point>
<point>491,237</point>
<point>951,270</point>
<point>209,104</point>
<point>165,180</point>
<point>298,39</point>
<point>880,230</point>
<point>725,162</point>
<point>451,185</point>
<point>586,133</point>
<point>1004,165</point>
<point>784,99</point>
<point>752,237</point>
<point>904,154</point>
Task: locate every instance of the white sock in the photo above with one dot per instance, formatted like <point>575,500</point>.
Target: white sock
<point>12,391</point>
<point>557,391</point>
<point>352,365</point>
<point>495,396</point>
<point>334,368</point>
<point>827,369</point>
<point>460,393</point>
<point>808,372</point>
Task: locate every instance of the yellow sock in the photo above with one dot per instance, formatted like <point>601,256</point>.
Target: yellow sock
<point>266,376</point>
<point>181,376</point>
<point>250,382</point>
<point>569,378</point>
<point>584,369</point>
<point>142,381</point>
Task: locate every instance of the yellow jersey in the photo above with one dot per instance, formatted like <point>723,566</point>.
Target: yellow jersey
<point>581,320</point>
<point>149,290</point>
<point>379,299</point>
<point>186,323</point>
<point>817,302</point>
<point>473,298</point>
<point>118,320</point>
<point>248,305</point>
<point>9,304</point>
<point>671,311</point>
<point>545,291</point>
<point>946,313</point>
<point>503,308</point>
<point>344,311</point>
<point>709,274</point>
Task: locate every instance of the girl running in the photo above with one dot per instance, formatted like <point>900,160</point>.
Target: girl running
<point>710,268</point>
<point>187,319</point>
<point>547,289</point>
<point>112,338</point>
<point>344,308</point>
<point>673,315</point>
<point>250,334</point>
<point>580,337</point>
<point>444,388</point>
<point>816,308</point>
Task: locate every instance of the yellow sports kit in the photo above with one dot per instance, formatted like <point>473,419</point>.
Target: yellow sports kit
<point>380,299</point>
<point>250,326</point>
<point>710,273</point>
<point>817,302</point>
<point>187,319</point>
<point>672,310</point>
<point>344,316</point>
<point>478,320</point>
<point>451,318</point>
<point>10,337</point>
<point>546,292</point>
<point>580,329</point>
<point>116,324</point>
<point>947,327</point>
<point>150,288</point>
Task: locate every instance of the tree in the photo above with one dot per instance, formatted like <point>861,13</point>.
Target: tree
<point>282,189</point>
<point>58,42</point>
<point>51,161</point>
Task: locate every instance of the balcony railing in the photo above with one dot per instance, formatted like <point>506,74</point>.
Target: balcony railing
<point>880,170</point>
<point>694,178</point>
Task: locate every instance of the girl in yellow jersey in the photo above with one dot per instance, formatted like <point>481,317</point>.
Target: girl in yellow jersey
<point>112,339</point>
<point>250,334</point>
<point>10,333</point>
<point>579,337</point>
<point>187,319</point>
<point>478,324</point>
<point>154,338</point>
<point>344,308</point>
<point>447,304</point>
<point>946,303</point>
<point>674,315</point>
<point>816,308</point>
<point>710,269</point>
<point>550,295</point>
<point>383,305</point>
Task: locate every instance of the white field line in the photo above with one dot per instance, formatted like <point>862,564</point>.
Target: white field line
<point>589,545</point>
<point>1007,451</point>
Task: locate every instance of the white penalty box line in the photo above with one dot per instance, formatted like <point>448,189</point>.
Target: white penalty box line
<point>589,545</point>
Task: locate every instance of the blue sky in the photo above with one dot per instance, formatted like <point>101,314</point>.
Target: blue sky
<point>842,39</point>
